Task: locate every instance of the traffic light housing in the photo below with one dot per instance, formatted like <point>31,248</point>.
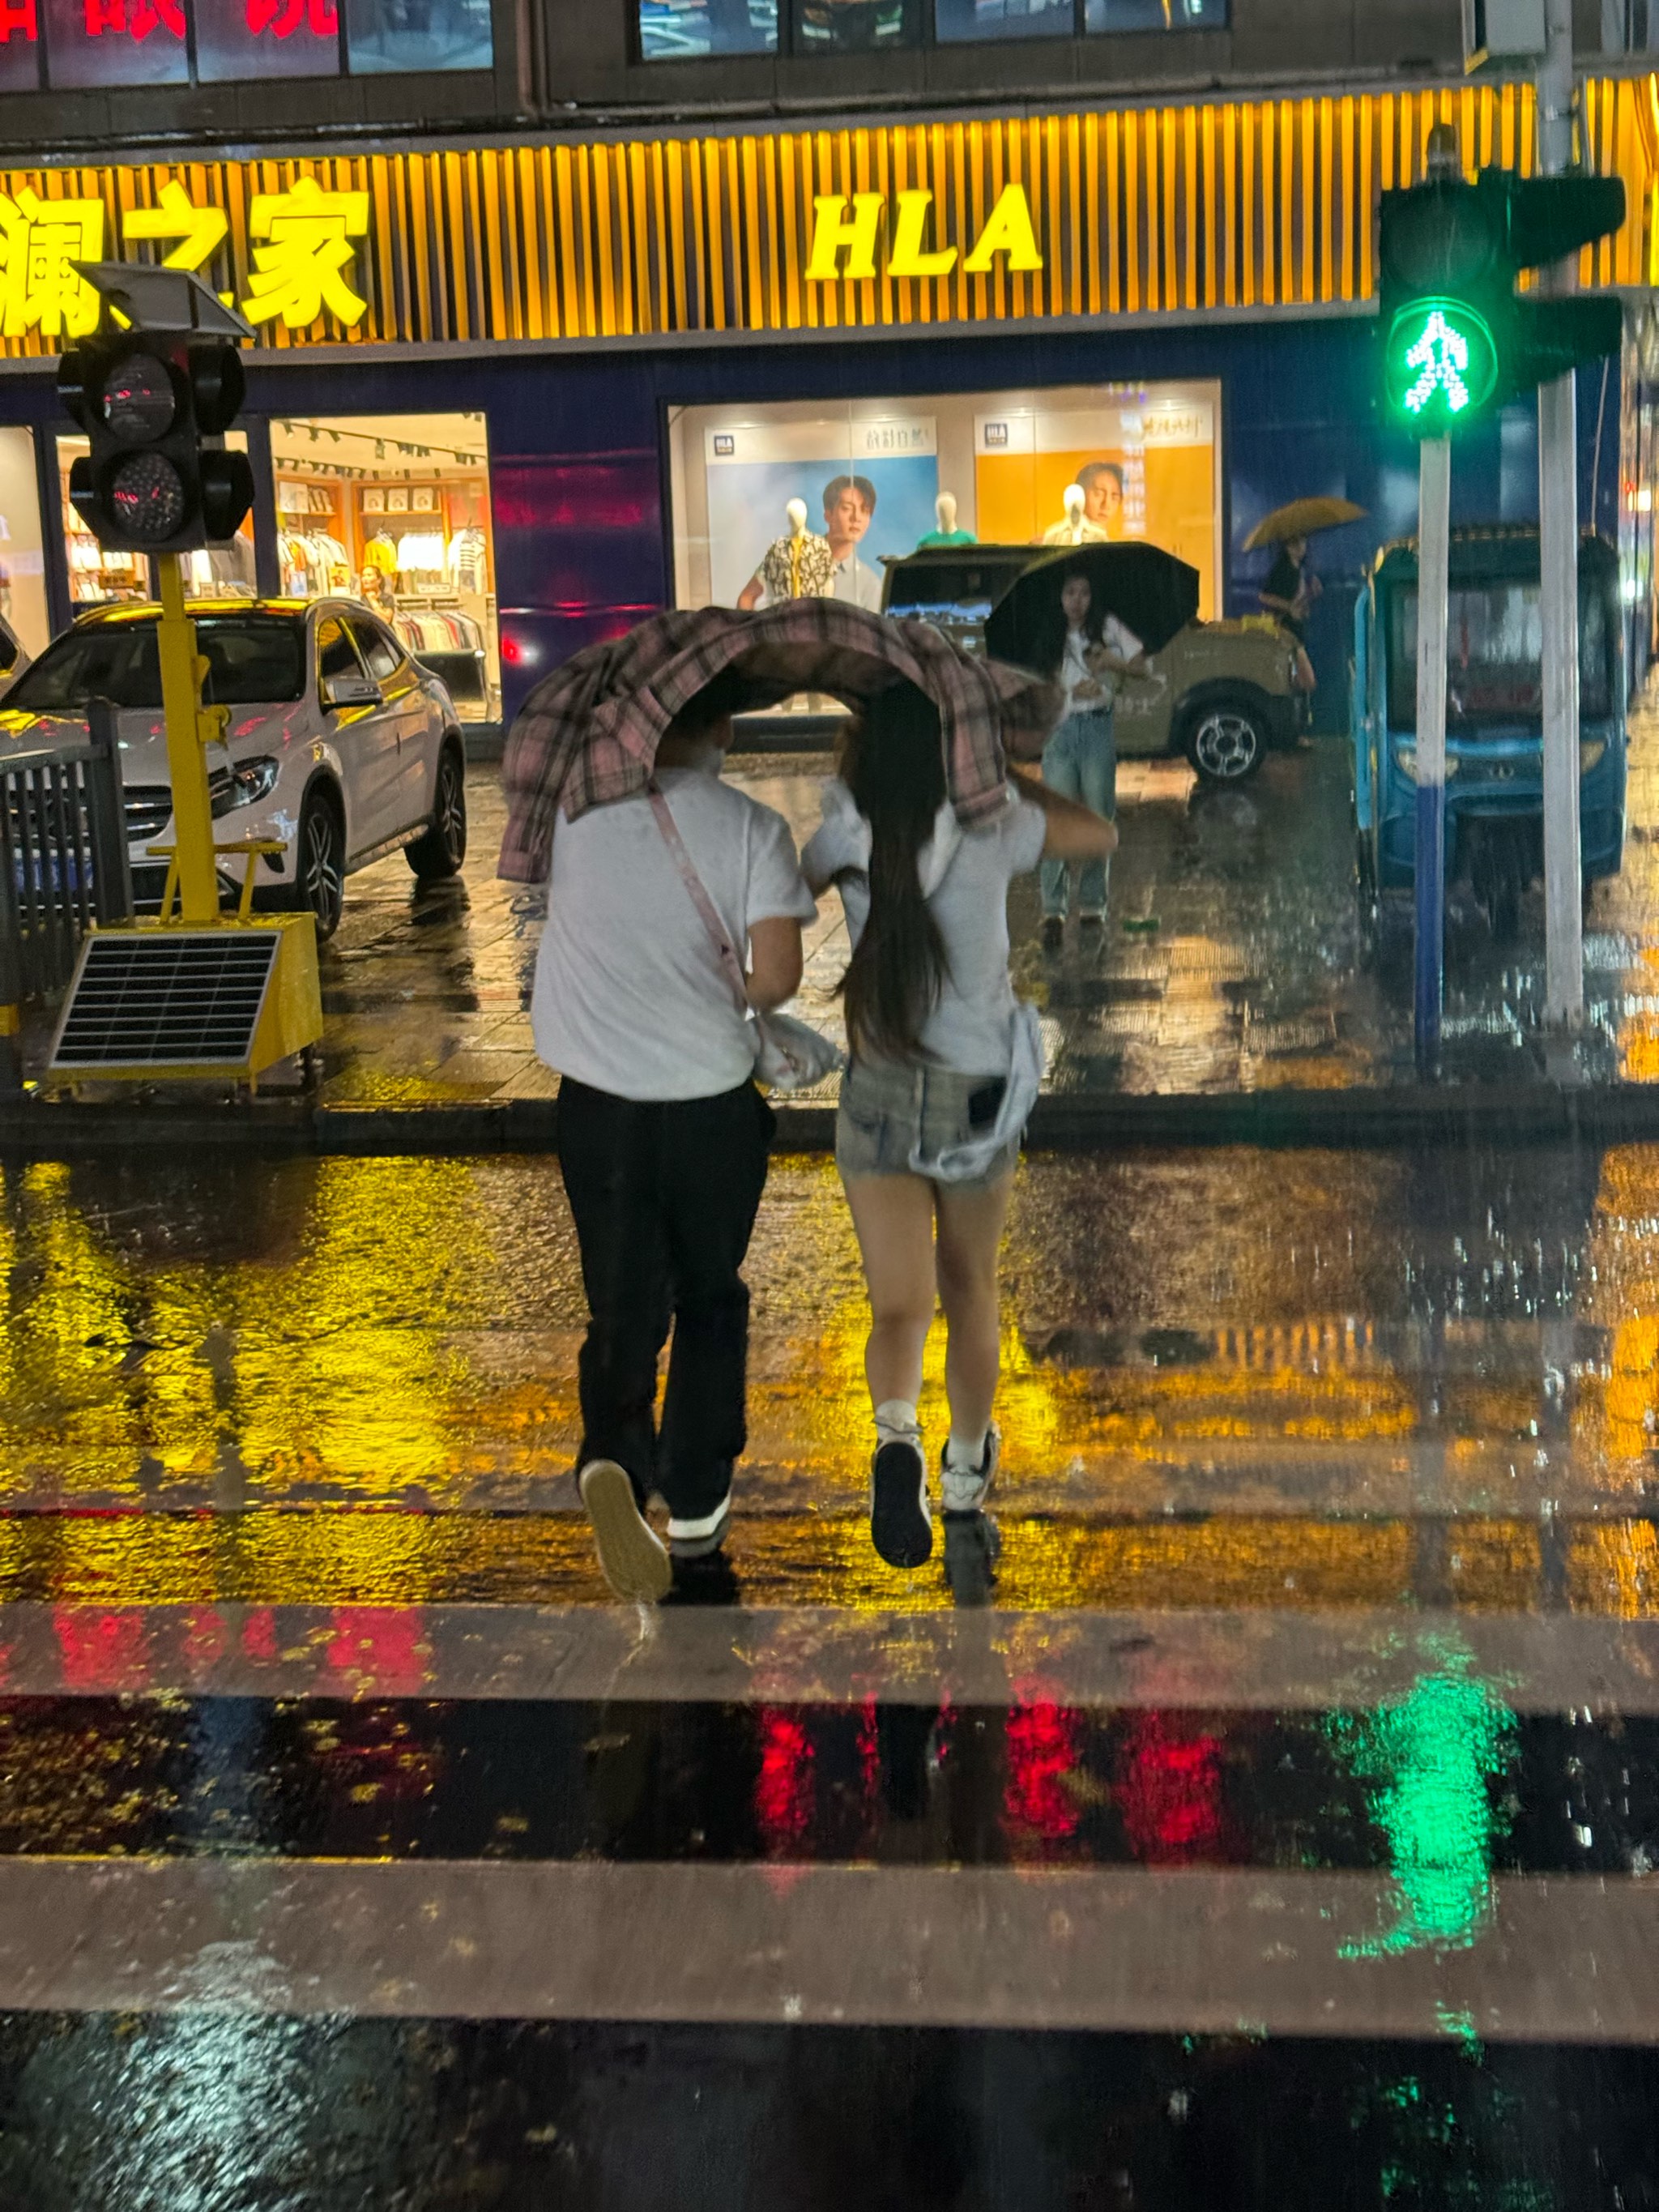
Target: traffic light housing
<point>155,406</point>
<point>1457,341</point>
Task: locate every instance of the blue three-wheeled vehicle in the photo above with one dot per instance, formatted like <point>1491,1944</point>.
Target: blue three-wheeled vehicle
<point>1494,728</point>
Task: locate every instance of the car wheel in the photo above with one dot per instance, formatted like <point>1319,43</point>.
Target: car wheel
<point>441,850</point>
<point>319,864</point>
<point>1225,743</point>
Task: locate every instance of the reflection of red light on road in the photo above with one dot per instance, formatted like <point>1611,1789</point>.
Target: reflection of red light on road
<point>379,1647</point>
<point>102,1650</point>
<point>259,1636</point>
<point>1168,1791</point>
<point>1043,1750</point>
<point>783,1788</point>
<point>204,1637</point>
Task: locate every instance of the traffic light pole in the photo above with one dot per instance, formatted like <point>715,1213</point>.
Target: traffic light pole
<point>1558,527</point>
<point>181,706</point>
<point>1433,565</point>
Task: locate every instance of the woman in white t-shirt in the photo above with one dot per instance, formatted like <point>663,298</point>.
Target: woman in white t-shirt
<point>931,1021</point>
<point>1091,653</point>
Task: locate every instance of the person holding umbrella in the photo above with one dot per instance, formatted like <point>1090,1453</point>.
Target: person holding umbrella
<point>1088,653</point>
<point>1290,586</point>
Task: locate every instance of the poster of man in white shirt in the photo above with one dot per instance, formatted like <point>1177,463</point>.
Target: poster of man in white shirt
<point>850,508</point>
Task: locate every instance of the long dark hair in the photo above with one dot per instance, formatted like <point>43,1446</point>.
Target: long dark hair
<point>1051,638</point>
<point>893,763</point>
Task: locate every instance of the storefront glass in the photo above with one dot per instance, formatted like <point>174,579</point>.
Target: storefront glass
<point>387,35</point>
<point>1148,458</point>
<point>395,510</point>
<point>854,26</point>
<point>680,30</point>
<point>1155,15</point>
<point>97,577</point>
<point>960,20</point>
<point>22,570</point>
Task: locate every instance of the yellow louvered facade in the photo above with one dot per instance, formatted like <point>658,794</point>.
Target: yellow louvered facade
<point>1229,205</point>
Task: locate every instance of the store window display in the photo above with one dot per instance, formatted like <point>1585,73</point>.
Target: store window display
<point>22,567</point>
<point>797,566</point>
<point>395,511</point>
<point>1067,465</point>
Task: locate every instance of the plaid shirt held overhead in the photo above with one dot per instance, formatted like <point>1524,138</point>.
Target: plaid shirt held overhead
<point>588,734</point>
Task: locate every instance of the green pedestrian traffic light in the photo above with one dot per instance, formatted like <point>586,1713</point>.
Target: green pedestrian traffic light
<point>1442,361</point>
<point>1457,341</point>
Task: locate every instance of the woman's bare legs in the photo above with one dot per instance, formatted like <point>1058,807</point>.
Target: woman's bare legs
<point>969,1239</point>
<point>894,1216</point>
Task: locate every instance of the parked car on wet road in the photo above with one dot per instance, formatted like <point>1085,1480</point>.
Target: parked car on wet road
<point>338,746</point>
<point>1223,693</point>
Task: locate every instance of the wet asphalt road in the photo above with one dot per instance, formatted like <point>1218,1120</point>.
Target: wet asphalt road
<point>1266,1817</point>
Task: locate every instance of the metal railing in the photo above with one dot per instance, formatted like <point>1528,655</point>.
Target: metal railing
<point>62,867</point>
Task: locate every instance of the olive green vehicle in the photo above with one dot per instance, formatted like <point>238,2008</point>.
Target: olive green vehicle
<point>1222,693</point>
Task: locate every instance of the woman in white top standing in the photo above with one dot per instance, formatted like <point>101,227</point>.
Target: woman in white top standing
<point>932,1106</point>
<point>1091,652</point>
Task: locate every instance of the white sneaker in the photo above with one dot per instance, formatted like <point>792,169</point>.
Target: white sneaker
<point>964,1489</point>
<point>632,1556</point>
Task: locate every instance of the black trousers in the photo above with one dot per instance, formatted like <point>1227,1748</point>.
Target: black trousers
<point>664,1196</point>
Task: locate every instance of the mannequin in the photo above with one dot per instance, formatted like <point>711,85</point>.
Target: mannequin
<point>944,507</point>
<point>1077,529</point>
<point>798,566</point>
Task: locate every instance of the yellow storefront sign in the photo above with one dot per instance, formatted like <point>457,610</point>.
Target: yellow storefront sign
<point>1087,215</point>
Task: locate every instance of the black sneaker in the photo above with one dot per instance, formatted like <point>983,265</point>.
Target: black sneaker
<point>901,1527</point>
<point>708,1579</point>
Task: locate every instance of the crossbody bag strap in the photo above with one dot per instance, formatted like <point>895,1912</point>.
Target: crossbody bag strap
<point>731,966</point>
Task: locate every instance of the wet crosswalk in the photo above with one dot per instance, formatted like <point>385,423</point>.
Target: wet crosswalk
<point>1269,1817</point>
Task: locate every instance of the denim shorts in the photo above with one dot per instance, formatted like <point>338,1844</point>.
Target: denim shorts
<point>884,1109</point>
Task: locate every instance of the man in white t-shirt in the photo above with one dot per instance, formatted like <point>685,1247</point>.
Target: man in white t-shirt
<point>663,1137</point>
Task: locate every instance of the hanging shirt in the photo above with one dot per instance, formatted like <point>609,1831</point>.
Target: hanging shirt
<point>798,568</point>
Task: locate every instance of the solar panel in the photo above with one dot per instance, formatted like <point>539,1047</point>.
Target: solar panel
<point>166,997</point>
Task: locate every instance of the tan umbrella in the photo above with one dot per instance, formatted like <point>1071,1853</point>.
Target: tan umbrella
<point>1300,519</point>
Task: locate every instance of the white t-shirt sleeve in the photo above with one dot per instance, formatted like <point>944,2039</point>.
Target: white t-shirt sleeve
<point>1023,832</point>
<point>775,887</point>
<point>1120,640</point>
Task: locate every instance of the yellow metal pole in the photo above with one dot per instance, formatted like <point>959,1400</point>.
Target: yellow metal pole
<point>181,705</point>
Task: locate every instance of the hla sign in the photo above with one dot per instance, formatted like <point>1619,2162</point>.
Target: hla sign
<point>844,246</point>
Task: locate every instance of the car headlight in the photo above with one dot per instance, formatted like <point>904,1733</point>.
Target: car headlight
<point>1405,759</point>
<point>1589,754</point>
<point>243,784</point>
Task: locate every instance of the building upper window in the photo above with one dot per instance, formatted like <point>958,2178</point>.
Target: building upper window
<point>678,30</point>
<point>70,44</point>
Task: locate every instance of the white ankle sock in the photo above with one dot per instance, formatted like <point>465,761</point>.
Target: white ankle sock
<point>897,1423</point>
<point>966,1453</point>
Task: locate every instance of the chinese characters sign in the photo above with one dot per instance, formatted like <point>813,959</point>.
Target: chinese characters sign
<point>73,45</point>
<point>302,255</point>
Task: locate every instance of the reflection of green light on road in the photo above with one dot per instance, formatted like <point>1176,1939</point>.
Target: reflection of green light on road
<point>1429,1760</point>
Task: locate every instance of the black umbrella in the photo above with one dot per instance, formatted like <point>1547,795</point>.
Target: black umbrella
<point>1151,593</point>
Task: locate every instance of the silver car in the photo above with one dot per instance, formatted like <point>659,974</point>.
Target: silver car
<point>338,746</point>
